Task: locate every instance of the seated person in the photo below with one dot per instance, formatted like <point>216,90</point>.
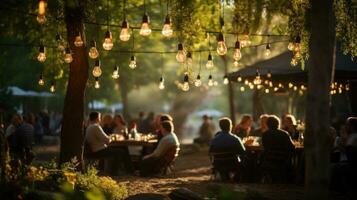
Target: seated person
<point>151,163</point>
<point>244,127</point>
<point>289,124</point>
<point>206,131</point>
<point>351,144</point>
<point>227,149</point>
<point>263,126</point>
<point>278,150</point>
<point>98,140</point>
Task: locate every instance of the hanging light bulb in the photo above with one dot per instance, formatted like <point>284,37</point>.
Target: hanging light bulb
<point>210,81</point>
<point>242,89</point>
<point>221,45</point>
<point>41,54</point>
<point>297,55</point>
<point>186,85</point>
<point>96,84</point>
<point>189,59</point>
<point>78,42</point>
<point>239,78</point>
<point>293,62</point>
<point>267,90</point>
<point>132,63</point>
<point>291,46</point>
<point>167,29</point>
<point>225,80</point>
<point>162,83</point>
<point>267,50</point>
<point>269,74</point>
<point>108,41</point>
<point>41,82</point>
<point>257,80</point>
<point>297,43</point>
<point>93,52</point>
<point>41,16</point>
<point>60,42</point>
<point>68,55</point>
<point>124,33</point>
<point>209,64</point>
<point>245,41</point>
<point>181,54</point>
<point>97,71</point>
<point>198,81</point>
<point>145,27</point>
<point>52,87</point>
<point>237,53</point>
<point>115,74</point>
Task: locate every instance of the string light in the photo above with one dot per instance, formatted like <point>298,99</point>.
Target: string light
<point>198,81</point>
<point>181,54</point>
<point>97,71</point>
<point>68,55</point>
<point>269,74</point>
<point>189,59</point>
<point>167,29</point>
<point>132,63</point>
<point>267,50</point>
<point>52,87</point>
<point>186,85</point>
<point>237,53</point>
<point>124,33</point>
<point>242,89</point>
<point>210,81</point>
<point>293,62</point>
<point>93,52</point>
<point>78,42</point>
<point>108,41</point>
<point>145,27</point>
<point>41,82</point>
<point>257,80</point>
<point>42,54</point>
<point>291,46</point>
<point>115,74</point>
<point>162,83</point>
<point>209,64</point>
<point>239,78</point>
<point>96,84</point>
<point>245,41</point>
<point>221,45</point>
<point>60,42</point>
<point>297,43</point>
<point>41,16</point>
<point>266,90</point>
<point>225,80</point>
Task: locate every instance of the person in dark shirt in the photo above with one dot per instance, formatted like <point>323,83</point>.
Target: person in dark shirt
<point>289,125</point>
<point>263,126</point>
<point>227,150</point>
<point>24,140</point>
<point>278,149</point>
<point>205,132</point>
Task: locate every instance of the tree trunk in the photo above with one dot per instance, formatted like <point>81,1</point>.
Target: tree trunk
<point>353,98</point>
<point>321,66</point>
<point>124,100</point>
<point>72,126</point>
<point>232,111</point>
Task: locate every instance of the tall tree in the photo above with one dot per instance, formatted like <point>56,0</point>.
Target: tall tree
<point>72,125</point>
<point>321,66</point>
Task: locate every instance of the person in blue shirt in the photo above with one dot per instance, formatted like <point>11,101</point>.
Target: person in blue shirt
<point>226,150</point>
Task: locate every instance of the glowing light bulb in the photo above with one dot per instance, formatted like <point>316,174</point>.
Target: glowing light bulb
<point>236,63</point>
<point>293,62</point>
<point>108,41</point>
<point>132,63</point>
<point>221,45</point>
<point>42,5</point>
<point>297,55</point>
<point>68,56</point>
<point>181,54</point>
<point>115,74</point>
<point>96,84</point>
<point>186,85</point>
<point>198,81</point>
<point>209,64</point>
<point>78,42</point>
<point>291,85</point>
<point>145,27</point>
<point>267,50</point>
<point>295,88</point>
<point>269,74</point>
<point>124,33</point>
<point>93,52</point>
<point>210,81</point>
<point>245,41</point>
<point>291,46</point>
<point>225,80</point>
<point>161,83</point>
<point>97,71</point>
<point>41,82</point>
<point>42,54</point>
<point>239,78</point>
<point>257,80</point>
<point>52,87</point>
<point>189,59</point>
<point>266,90</point>
<point>242,89</point>
<point>60,42</point>
<point>297,43</point>
<point>167,29</point>
<point>237,53</point>
<point>41,19</point>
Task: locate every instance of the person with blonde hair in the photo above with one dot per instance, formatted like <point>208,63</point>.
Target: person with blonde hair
<point>289,124</point>
<point>244,127</point>
<point>263,126</point>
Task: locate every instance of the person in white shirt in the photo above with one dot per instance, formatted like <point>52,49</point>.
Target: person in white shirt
<point>150,163</point>
<point>98,141</point>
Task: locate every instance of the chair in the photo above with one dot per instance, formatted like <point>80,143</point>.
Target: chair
<point>168,160</point>
<point>88,155</point>
<point>224,163</point>
<point>276,165</point>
